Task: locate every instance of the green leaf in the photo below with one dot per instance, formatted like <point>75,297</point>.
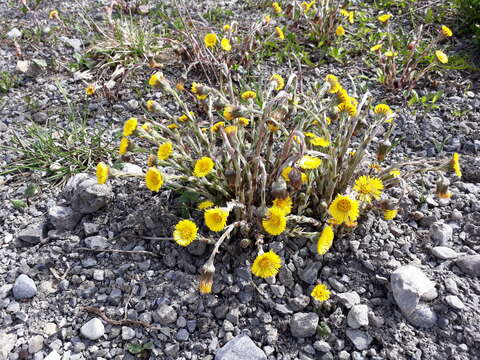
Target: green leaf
<point>31,191</point>
<point>134,348</point>
<point>18,204</point>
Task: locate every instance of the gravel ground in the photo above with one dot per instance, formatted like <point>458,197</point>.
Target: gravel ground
<point>403,289</point>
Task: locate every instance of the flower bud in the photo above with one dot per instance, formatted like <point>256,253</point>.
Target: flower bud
<point>206,279</point>
<point>383,149</point>
<point>442,188</point>
<point>230,176</point>
<point>295,177</point>
<point>279,189</point>
<point>244,243</point>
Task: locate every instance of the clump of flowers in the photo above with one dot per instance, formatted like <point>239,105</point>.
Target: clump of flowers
<point>272,163</point>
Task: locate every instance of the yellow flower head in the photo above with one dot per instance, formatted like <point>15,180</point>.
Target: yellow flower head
<point>275,222</point>
<point>164,151</point>
<point>203,166</point>
<point>154,179</point>
<point>455,164</point>
<point>278,80</point>
<point>102,172</point>
<point>228,113</point>
<point>340,31</point>
<point>383,109</point>
<point>180,86</point>
<point>172,126</point>
<point>348,107</point>
<point>376,47</point>
<point>267,19</point>
<point>325,240</point>
<point>334,84</point>
<point>217,125</point>
<point>272,127</point>
<point>124,143</point>
<point>53,14</point>
<point>276,7</point>
<point>384,18</point>
<point>231,129</point>
<point>226,27</point>
<point>185,117</point>
<point>130,126</point>
<point>286,170</point>
<point>342,95</point>
<point>266,265</point>
<point>390,53</point>
<point>205,205</point>
<point>225,44</point>
<point>90,89</point>
<point>150,105</point>
<point>390,214</point>
<point>210,40</point>
<point>243,121</point>
<point>284,204</point>
<point>249,95</point>
<point>441,56</point>
<point>185,232</point>
<point>280,34</point>
<point>445,31</point>
<point>320,292</point>
<point>216,218</point>
<point>344,209</point>
<point>205,286</point>
<point>308,162</point>
<point>395,173</point>
<point>307,5</point>
<point>368,188</point>
<point>155,79</point>
<point>320,141</point>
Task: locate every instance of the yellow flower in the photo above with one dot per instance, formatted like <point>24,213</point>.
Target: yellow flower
<point>306,6</point>
<point>280,33</point>
<point>455,164</point>
<point>275,222</point>
<point>272,127</point>
<point>280,83</point>
<point>340,31</point>
<point>375,167</point>
<point>228,113</point>
<point>376,47</point>
<point>180,86</point>
<point>384,18</point>
<point>395,173</point>
<point>310,135</point>
<point>286,170</point>
<point>348,107</point>
<point>130,126</point>
<point>334,84</point>
<point>205,205</point>
<point>284,204</point>
<point>217,125</point>
<point>249,95</point>
<point>390,53</point>
<point>205,286</point>
<point>185,117</point>
<point>320,292</point>
<point>325,240</point>
<point>203,166</point>
<point>231,129</point>
<point>164,151</point>
<point>53,14</point>
<point>226,27</point>
<point>320,141</point>
<point>150,105</point>
<point>383,109</point>
<point>445,31</point>
<point>309,162</point>
<point>344,209</point>
<point>342,95</point>
<point>155,79</point>
<point>277,8</point>
<point>90,89</point>
<point>102,172</point>
<point>216,218</point>
<point>185,232</point>
<point>210,40</point>
<point>368,187</point>
<point>243,121</point>
<point>266,19</point>
<point>225,43</point>
<point>172,126</point>
<point>123,146</point>
<point>266,265</point>
<point>197,90</point>
<point>390,214</point>
<point>441,56</point>
<point>154,179</point>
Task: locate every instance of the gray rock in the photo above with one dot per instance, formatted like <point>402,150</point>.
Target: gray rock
<point>441,233</point>
<point>299,303</point>
<point>14,34</point>
<point>360,339</point>
<point>165,314</point>
<point>197,248</point>
<point>310,273</point>
<point>241,347</point>
<point>29,68</point>
<point>90,228</point>
<point>343,355</point>
<point>127,333</point>
<point>55,356</point>
<point>349,299</point>
<point>32,234</point>
<point>96,242</point>
<point>24,288</point>
<point>182,335</point>
<point>172,350</point>
<point>409,285</point>
<point>454,302</point>
<point>422,317</point>
<point>451,286</point>
<point>98,275</point>
<point>132,104</point>
<point>93,329</point>
<point>469,264</point>
<point>35,344</point>
<point>76,44</point>
<point>304,324</point>
<point>132,169</point>
<point>7,343</point>
<point>444,253</point>
<point>89,196</point>
<point>63,218</point>
<point>358,316</point>
<point>40,117</point>
<point>322,346</point>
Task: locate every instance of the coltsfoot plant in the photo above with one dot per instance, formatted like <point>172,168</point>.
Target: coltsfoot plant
<point>273,163</point>
<point>403,61</point>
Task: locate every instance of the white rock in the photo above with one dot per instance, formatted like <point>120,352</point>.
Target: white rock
<point>127,333</point>
<point>93,329</point>
<point>14,34</point>
<point>441,233</point>
<point>454,302</point>
<point>35,344</point>
<point>358,316</point>
<point>444,253</point>
<point>53,356</point>
<point>349,299</point>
